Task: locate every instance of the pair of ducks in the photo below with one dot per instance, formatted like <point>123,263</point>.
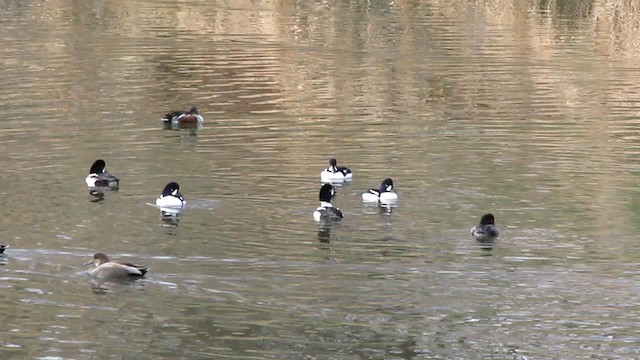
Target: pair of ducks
<point>384,195</point>
<point>336,174</point>
<point>100,178</point>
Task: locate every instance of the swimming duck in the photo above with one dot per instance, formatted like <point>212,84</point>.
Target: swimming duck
<point>103,268</point>
<point>171,197</point>
<point>326,210</point>
<point>99,177</point>
<point>486,231</point>
<point>3,247</point>
<point>385,194</point>
<point>335,173</point>
<point>183,119</point>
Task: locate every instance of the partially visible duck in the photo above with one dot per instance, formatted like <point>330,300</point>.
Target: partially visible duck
<point>105,269</point>
<point>385,194</point>
<point>99,177</point>
<point>486,231</point>
<point>335,173</point>
<point>326,211</point>
<point>171,197</point>
<point>183,119</point>
<point>3,247</point>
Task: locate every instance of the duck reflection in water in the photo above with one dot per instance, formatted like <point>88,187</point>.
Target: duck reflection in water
<point>381,209</point>
<point>324,231</point>
<point>96,195</point>
<point>104,287</point>
<point>170,219</point>
<point>188,136</point>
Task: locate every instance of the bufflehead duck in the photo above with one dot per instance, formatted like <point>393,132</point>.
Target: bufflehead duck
<point>486,231</point>
<point>103,268</point>
<point>171,197</point>
<point>183,119</point>
<point>326,209</point>
<point>335,173</point>
<point>385,194</point>
<point>3,247</point>
<point>99,177</point>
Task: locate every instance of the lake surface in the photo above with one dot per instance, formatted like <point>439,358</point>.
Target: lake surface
<point>527,110</point>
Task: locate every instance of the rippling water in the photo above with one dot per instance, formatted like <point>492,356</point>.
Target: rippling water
<point>528,111</point>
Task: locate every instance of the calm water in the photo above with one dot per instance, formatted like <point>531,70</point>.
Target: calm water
<point>528,110</point>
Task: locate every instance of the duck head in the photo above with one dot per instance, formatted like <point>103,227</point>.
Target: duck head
<point>487,219</point>
<point>98,167</point>
<point>326,193</point>
<point>387,185</point>
<point>98,259</point>
<point>172,189</point>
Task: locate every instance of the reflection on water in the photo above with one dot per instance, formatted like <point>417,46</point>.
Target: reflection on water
<point>187,129</point>
<point>103,287</point>
<point>96,195</point>
<point>324,231</point>
<point>526,110</point>
<point>487,245</point>
<point>170,219</point>
<point>381,209</point>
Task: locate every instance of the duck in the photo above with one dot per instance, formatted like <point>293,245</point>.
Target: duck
<point>385,194</point>
<point>3,247</point>
<point>326,211</point>
<point>171,197</point>
<point>486,231</point>
<point>103,268</point>
<point>335,173</point>
<point>183,119</point>
<point>99,177</point>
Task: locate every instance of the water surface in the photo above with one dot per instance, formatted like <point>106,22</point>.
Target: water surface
<point>524,110</point>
